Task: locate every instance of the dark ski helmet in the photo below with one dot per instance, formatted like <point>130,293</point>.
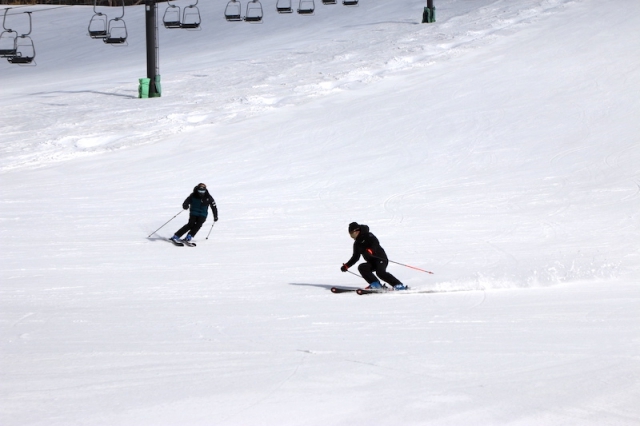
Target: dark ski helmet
<point>353,226</point>
<point>201,188</point>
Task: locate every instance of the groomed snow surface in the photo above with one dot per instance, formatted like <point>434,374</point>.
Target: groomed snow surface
<point>498,147</point>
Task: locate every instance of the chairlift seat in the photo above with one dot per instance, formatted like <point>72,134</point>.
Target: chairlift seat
<point>115,40</point>
<point>284,6</point>
<point>98,34</point>
<point>4,53</point>
<point>172,24</point>
<point>21,60</point>
<point>8,44</point>
<point>328,1</point>
<point>350,2</point>
<point>190,26</point>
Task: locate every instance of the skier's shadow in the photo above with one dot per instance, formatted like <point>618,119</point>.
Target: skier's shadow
<point>156,239</point>
<point>325,286</point>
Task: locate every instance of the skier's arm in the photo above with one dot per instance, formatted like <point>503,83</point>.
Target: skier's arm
<point>353,260</point>
<point>186,203</point>
<point>214,209</point>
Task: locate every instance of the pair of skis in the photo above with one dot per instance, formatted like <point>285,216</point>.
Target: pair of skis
<point>182,243</point>
<point>361,291</point>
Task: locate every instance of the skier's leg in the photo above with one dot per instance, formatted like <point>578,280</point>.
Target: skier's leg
<point>381,272</point>
<point>367,272</point>
<point>196,225</point>
<point>180,232</point>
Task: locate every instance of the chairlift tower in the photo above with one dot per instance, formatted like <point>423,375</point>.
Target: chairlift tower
<point>153,68</point>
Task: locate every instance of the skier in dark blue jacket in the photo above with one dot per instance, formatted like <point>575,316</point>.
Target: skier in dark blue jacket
<point>198,202</point>
<point>366,244</point>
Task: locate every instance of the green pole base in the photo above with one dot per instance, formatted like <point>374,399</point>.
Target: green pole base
<point>143,88</point>
<point>158,87</point>
<point>429,15</point>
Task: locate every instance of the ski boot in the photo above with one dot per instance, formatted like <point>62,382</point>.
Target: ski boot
<point>374,286</point>
<point>400,287</point>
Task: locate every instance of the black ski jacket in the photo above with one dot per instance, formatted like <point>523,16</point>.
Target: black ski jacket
<point>199,204</point>
<point>367,245</point>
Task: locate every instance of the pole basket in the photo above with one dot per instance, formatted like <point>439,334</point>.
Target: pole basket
<point>429,15</point>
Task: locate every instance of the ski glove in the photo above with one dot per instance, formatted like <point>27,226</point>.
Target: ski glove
<point>185,206</point>
<point>344,267</point>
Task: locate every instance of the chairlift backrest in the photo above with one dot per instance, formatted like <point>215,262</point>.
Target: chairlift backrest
<point>350,2</point>
<point>284,6</point>
<point>233,11</point>
<point>254,11</point>
<point>328,1</point>
<point>307,7</point>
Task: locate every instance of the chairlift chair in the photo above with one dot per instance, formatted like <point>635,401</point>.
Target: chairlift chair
<point>350,2</point>
<point>306,7</point>
<point>233,11</point>
<point>25,50</point>
<point>98,26</point>
<point>191,17</point>
<point>284,6</point>
<point>171,16</point>
<point>328,1</point>
<point>254,11</point>
<point>116,30</point>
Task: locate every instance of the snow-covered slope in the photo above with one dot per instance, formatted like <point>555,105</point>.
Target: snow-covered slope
<point>497,147</point>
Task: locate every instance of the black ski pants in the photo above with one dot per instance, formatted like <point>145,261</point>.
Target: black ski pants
<point>192,227</point>
<point>379,266</point>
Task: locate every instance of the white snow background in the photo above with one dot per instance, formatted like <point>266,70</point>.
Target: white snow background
<point>498,147</point>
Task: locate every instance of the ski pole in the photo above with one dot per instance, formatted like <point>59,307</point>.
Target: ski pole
<point>412,267</point>
<point>353,273</point>
<point>165,224</point>
<point>214,222</point>
<point>398,263</point>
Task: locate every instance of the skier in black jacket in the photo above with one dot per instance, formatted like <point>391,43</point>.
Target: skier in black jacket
<point>367,245</point>
<point>199,202</point>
